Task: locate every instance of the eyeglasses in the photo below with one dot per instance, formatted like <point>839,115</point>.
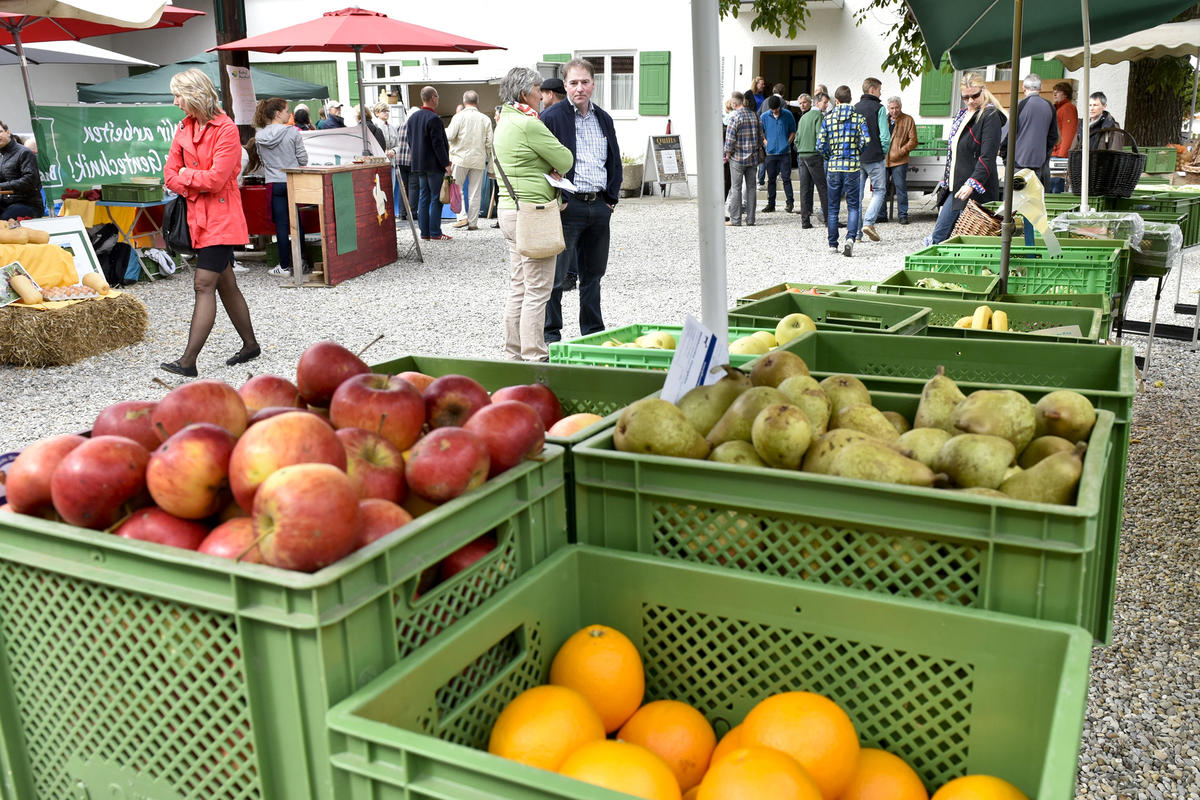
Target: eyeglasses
<point>966,97</point>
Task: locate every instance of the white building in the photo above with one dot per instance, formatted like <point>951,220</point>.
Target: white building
<point>642,50</point>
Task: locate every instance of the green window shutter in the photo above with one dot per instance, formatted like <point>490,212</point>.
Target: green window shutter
<point>1051,70</point>
<point>556,58</point>
<point>654,84</point>
<point>323,73</point>
<point>937,91</point>
<point>352,76</point>
<point>410,62</point>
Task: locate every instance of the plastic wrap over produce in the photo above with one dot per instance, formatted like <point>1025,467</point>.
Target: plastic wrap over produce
<point>1164,230</point>
<point>1127,225</point>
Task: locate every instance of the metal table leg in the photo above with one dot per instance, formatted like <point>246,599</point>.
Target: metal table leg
<point>1153,323</point>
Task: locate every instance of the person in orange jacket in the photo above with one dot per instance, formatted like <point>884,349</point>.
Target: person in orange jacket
<point>1068,119</point>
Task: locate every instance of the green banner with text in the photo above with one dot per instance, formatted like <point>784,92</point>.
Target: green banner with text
<point>84,146</point>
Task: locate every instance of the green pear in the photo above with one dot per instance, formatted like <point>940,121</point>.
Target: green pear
<point>939,397</point>
<point>975,460</point>
<point>738,419</point>
<point>898,420</point>
<point>867,419</point>
<point>845,390</point>
<point>821,452</point>
<point>996,412</point>
<point>805,392</point>
<point>873,460</point>
<point>1041,447</point>
<point>736,452</point>
<point>1065,413</point>
<point>781,435</point>
<point>924,443</point>
<point>1013,470</point>
<point>984,492</point>
<point>774,368</point>
<point>1051,480</point>
<point>704,405</point>
<point>798,384</point>
<point>652,425</point>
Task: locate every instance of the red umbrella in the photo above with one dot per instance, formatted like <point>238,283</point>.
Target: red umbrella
<point>357,30</point>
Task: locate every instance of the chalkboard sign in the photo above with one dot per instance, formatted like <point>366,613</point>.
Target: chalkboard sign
<point>664,160</point>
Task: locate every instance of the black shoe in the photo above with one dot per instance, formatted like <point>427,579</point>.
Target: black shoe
<point>768,209</point>
<point>569,282</point>
<point>788,208</point>
<point>806,225</point>
<point>179,369</point>
<point>244,355</point>
<point>904,220</point>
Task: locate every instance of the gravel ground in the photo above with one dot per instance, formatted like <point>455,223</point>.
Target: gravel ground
<point>1142,732</point>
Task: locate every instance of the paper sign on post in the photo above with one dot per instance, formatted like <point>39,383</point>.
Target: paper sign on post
<point>699,355</point>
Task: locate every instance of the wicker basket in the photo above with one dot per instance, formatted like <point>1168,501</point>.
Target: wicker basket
<point>1112,173</point>
<point>975,220</point>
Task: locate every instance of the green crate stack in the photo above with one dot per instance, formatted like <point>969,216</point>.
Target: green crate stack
<point>823,288</point>
<point>928,132</point>
<point>1168,203</point>
<point>590,350</point>
<point>1098,302</point>
<point>948,691</point>
<point>1158,159</point>
<point>832,312</point>
<point>1024,320</point>
<point>1032,270</point>
<point>133,669</point>
<point>971,287</point>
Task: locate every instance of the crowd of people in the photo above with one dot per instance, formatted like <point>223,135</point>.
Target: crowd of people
<point>841,149</point>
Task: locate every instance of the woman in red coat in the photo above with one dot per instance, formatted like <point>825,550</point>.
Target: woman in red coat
<point>202,167</point>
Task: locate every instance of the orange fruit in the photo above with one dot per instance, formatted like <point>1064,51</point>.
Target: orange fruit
<point>602,665</point>
<point>544,725</point>
<point>676,733</point>
<point>979,787</point>
<point>758,773</point>
<point>883,776</point>
<point>622,767</point>
<point>810,728</point>
<point>729,742</point>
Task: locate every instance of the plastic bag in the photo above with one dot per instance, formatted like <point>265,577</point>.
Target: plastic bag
<point>455,197</point>
<point>1127,225</point>
<point>1168,231</point>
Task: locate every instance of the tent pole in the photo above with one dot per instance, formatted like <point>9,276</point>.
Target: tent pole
<point>1195,79</point>
<point>1085,123</point>
<point>707,80</point>
<point>1006,232</point>
<point>16,35</point>
<point>362,99</point>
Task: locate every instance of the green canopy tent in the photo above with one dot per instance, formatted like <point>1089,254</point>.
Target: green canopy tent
<point>154,86</point>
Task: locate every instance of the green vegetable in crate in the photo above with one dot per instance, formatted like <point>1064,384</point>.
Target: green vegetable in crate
<point>975,460</point>
<point>736,452</point>
<point>738,419</point>
<point>775,368</point>
<point>1051,480</point>
<point>934,283</point>
<point>704,405</point>
<point>653,425</point>
<point>1041,447</point>
<point>923,444</point>
<point>939,397</point>
<point>867,419</point>
<point>997,412</point>
<point>1065,413</point>
<point>845,390</point>
<point>873,460</point>
<point>781,435</point>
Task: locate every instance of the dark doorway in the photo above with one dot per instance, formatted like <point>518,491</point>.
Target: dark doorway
<point>792,68</point>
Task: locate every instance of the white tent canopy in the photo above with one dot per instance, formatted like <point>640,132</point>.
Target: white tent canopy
<point>68,52</point>
<point>1171,39</point>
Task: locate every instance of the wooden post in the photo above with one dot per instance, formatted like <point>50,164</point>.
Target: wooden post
<point>230,19</point>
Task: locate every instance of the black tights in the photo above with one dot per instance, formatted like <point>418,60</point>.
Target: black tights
<point>207,284</point>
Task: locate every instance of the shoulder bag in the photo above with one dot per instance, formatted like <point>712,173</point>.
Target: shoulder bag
<point>175,226</point>
<point>539,227</point>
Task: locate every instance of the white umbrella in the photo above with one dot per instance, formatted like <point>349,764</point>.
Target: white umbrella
<point>126,14</point>
<point>69,52</point>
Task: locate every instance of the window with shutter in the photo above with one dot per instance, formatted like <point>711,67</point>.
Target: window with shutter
<point>654,84</point>
<point>937,91</point>
<point>352,77</point>
<point>1051,70</point>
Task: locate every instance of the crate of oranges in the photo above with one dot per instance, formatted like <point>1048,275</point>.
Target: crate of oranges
<point>601,673</point>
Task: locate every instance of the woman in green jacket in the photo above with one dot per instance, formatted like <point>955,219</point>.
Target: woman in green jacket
<point>526,152</point>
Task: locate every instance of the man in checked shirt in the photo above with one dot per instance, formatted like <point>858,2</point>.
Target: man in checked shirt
<point>587,131</point>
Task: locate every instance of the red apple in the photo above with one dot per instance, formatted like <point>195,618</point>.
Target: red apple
<point>385,404</point>
<point>264,391</point>
<point>416,505</point>
<point>188,475</point>
<point>511,430</point>
<point>275,411</point>
<point>97,478</point>
<point>446,463</point>
<point>322,368</point>
<point>306,517</point>
<point>132,418</point>
<point>573,424</point>
<point>417,379</point>
<point>465,556</point>
<point>233,539</point>
<point>538,395</point>
<point>200,401</point>
<point>451,400</point>
<point>375,467</point>
<point>28,482</point>
<point>378,518</point>
<point>231,511</point>
<point>156,525</point>
<point>297,437</point>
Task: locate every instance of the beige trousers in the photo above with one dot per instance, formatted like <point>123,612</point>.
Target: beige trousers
<point>474,191</point>
<point>530,283</point>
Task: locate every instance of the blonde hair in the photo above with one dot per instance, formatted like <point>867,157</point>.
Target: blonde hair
<point>973,80</point>
<point>381,107</point>
<point>200,98</point>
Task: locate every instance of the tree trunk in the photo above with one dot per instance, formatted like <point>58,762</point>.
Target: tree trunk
<point>1154,111</point>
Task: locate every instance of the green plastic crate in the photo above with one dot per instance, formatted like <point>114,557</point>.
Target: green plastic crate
<point>904,282</point>
<point>1154,259</point>
<point>949,691</point>
<point>1024,321</point>
<point>1170,203</point>
<point>832,312</point>
<point>130,669</point>
<point>1100,302</point>
<point>1032,270</point>
<point>1105,375</point>
<point>1158,159</point>
<point>589,350</point>
<point>131,192</point>
<point>927,132</point>
<point>762,294</point>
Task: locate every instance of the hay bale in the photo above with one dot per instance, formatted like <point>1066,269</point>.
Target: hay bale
<point>32,337</point>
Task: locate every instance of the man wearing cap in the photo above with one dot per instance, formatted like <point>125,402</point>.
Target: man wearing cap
<point>552,91</point>
<point>333,117</point>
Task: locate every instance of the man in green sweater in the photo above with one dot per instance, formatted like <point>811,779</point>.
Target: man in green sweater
<point>809,163</point>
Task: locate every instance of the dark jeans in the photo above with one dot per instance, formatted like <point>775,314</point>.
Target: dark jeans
<point>283,237</point>
<point>429,207</point>
<point>842,184</point>
<point>779,164</point>
<point>899,176</point>
<point>20,210</point>
<point>812,175</point>
<point>585,233</point>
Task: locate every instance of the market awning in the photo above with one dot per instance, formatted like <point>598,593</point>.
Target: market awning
<point>1172,39</point>
<point>68,52</point>
<point>155,86</point>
